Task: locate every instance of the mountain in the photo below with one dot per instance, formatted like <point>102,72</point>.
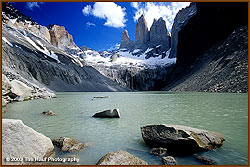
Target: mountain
<point>47,57</point>
<point>206,49</point>
<point>222,68</point>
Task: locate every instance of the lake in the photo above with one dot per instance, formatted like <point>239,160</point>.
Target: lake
<point>225,113</point>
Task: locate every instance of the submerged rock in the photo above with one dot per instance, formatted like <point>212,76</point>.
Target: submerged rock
<point>101,97</point>
<point>169,160</point>
<point>49,113</point>
<point>120,158</point>
<point>205,160</point>
<point>67,144</point>
<point>181,139</point>
<point>19,140</point>
<point>108,114</point>
<point>158,151</point>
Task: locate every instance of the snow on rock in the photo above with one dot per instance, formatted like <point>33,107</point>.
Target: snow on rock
<point>127,58</point>
<point>5,40</point>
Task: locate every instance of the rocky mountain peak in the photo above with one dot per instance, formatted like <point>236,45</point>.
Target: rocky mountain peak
<point>142,34</point>
<point>9,12</point>
<point>159,34</point>
<point>126,42</point>
<point>60,37</point>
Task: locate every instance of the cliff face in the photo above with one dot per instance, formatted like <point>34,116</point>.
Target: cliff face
<point>126,42</point>
<point>223,68</point>
<point>212,23</point>
<point>141,34</point>
<point>61,38</point>
<point>180,21</point>
<point>159,35</point>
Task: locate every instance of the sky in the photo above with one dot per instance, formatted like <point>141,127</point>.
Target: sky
<point>99,25</point>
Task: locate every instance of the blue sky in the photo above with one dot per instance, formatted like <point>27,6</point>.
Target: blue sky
<point>99,25</point>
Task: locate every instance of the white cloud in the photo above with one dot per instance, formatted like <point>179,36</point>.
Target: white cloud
<point>111,12</point>
<point>135,4</point>
<point>86,10</point>
<point>152,11</point>
<point>31,5</point>
<point>90,24</point>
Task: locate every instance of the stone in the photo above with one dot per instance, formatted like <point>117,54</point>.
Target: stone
<point>49,113</point>
<point>205,160</point>
<point>67,144</point>
<point>141,34</point>
<point>120,158</point>
<point>101,97</point>
<point>158,151</point>
<point>125,41</point>
<point>181,139</point>
<point>4,102</point>
<point>19,140</point>
<point>169,160</point>
<point>114,57</point>
<point>108,114</point>
<point>20,89</point>
<point>159,35</point>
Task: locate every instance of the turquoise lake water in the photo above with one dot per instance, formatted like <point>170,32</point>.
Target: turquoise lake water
<point>225,113</point>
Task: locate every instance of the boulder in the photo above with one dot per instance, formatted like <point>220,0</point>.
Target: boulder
<point>108,114</point>
<point>19,140</point>
<point>49,113</point>
<point>67,144</point>
<point>120,158</point>
<point>114,57</point>
<point>4,102</point>
<point>169,160</point>
<point>181,139</point>
<point>158,151</point>
<point>20,89</point>
<point>204,160</point>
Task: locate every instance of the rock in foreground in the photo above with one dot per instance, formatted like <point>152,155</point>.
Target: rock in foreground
<point>120,158</point>
<point>158,151</point>
<point>67,144</point>
<point>108,114</point>
<point>169,160</point>
<point>19,140</point>
<point>181,139</point>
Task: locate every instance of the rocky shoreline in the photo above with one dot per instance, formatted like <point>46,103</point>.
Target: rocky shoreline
<point>22,145</point>
<point>17,90</point>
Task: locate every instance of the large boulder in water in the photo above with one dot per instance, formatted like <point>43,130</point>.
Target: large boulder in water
<point>108,114</point>
<point>120,158</point>
<point>180,139</point>
<point>19,140</point>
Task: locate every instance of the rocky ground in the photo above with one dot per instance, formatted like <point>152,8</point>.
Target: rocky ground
<point>223,68</point>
